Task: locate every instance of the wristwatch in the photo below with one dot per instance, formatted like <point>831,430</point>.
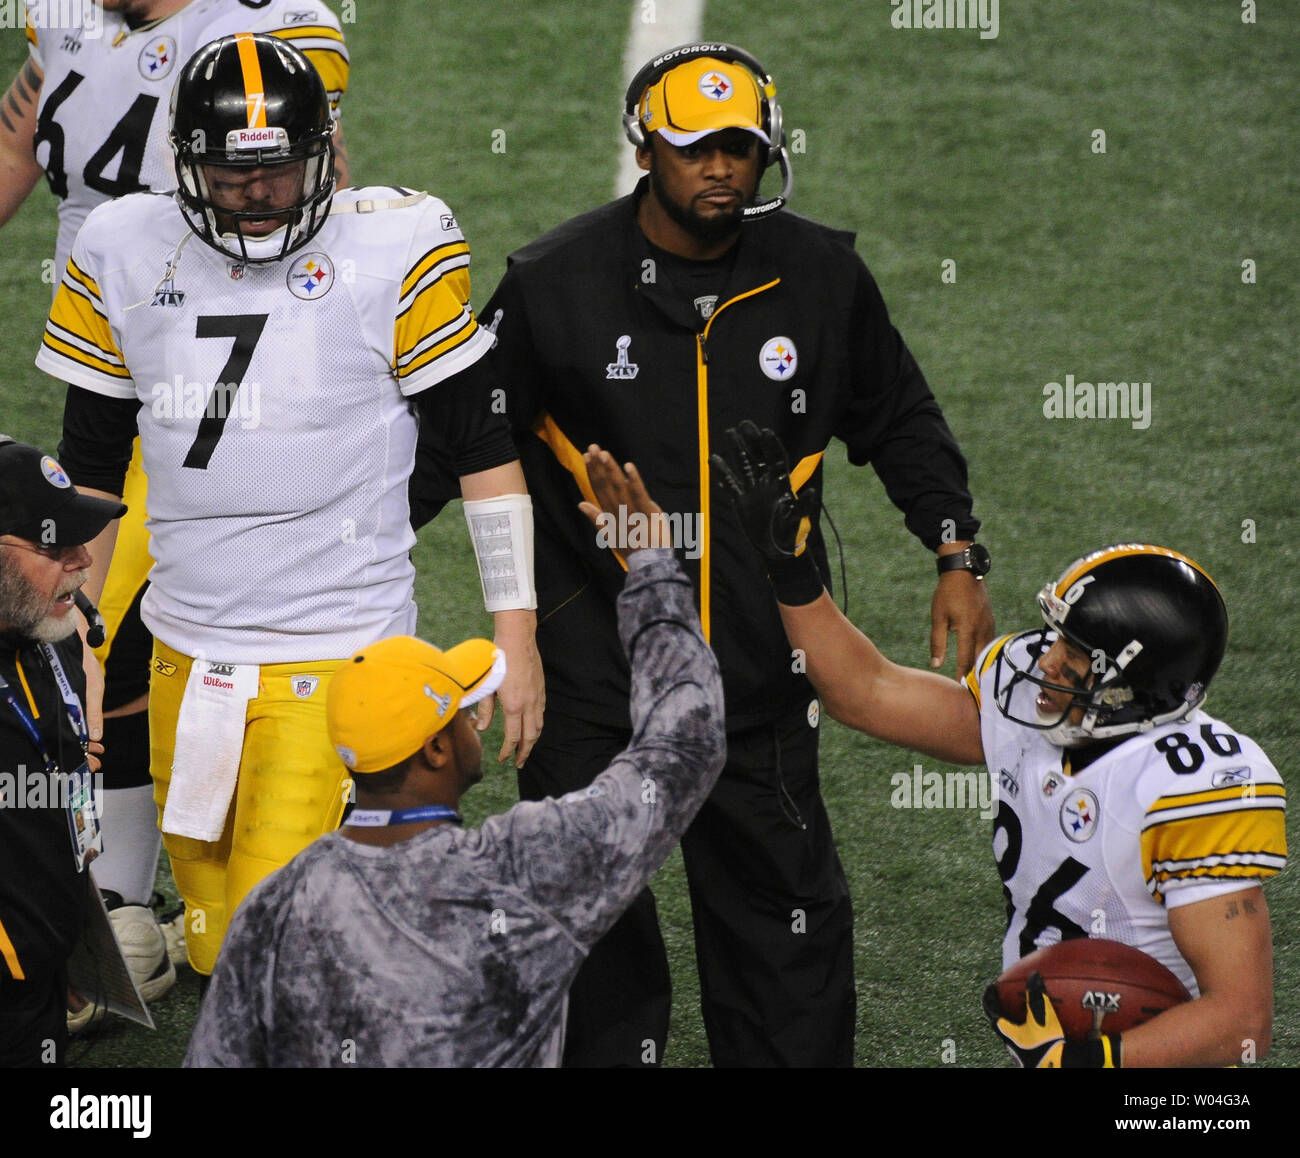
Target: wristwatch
<point>974,559</point>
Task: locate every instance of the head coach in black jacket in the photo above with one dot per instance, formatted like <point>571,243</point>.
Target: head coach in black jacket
<point>652,326</point>
<point>47,813</point>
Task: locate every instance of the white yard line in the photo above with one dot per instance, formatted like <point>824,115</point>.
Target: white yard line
<point>656,25</point>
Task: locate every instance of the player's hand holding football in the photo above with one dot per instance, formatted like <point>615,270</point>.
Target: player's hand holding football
<point>1039,1042</point>
<point>617,487</point>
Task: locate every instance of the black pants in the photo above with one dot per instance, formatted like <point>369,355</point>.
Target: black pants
<point>34,1020</point>
<point>770,903</point>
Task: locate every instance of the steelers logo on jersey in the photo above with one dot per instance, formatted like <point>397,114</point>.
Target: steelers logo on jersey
<point>310,277</point>
<point>716,86</point>
<point>1079,815</point>
<point>158,58</point>
<point>778,359</point>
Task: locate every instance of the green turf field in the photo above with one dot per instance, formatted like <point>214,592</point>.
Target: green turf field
<point>1122,265</point>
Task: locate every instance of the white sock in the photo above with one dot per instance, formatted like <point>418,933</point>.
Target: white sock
<point>129,819</point>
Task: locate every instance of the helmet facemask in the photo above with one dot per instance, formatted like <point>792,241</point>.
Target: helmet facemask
<point>1111,706</point>
<point>252,102</point>
<point>222,228</point>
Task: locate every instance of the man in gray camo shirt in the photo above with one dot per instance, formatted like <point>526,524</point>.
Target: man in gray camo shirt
<point>404,940</point>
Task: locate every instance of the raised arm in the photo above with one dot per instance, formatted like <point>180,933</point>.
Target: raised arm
<point>857,685</point>
<point>585,856</point>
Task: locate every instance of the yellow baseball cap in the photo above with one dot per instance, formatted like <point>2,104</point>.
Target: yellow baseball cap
<point>702,96</point>
<point>384,703</point>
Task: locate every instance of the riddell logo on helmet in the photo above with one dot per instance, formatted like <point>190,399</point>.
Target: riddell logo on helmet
<point>256,138</point>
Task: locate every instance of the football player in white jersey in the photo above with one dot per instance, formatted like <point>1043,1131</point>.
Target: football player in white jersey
<point>89,109</point>
<point>274,341</point>
<point>1118,798</point>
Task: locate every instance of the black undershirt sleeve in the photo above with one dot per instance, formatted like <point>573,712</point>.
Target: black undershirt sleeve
<point>98,432</point>
<point>463,430</point>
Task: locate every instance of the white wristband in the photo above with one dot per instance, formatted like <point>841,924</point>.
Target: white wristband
<point>501,530</point>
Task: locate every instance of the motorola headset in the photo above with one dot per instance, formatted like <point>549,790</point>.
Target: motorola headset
<point>777,155</point>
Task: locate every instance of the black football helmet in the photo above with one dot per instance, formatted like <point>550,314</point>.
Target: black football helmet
<point>1155,626</point>
<point>244,102</point>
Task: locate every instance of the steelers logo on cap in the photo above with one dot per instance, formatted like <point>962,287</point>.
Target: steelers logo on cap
<point>716,86</point>
<point>54,473</point>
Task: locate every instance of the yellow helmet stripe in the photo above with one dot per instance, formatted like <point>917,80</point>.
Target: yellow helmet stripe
<point>1119,552</point>
<point>254,92</point>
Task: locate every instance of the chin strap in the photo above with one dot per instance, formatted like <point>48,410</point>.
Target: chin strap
<point>368,205</point>
<point>172,263</point>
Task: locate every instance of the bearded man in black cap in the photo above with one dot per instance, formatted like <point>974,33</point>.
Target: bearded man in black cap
<point>48,750</point>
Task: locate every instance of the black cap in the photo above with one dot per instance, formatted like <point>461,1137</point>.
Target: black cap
<point>39,503</point>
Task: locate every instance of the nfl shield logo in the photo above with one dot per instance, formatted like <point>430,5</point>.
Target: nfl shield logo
<point>303,686</point>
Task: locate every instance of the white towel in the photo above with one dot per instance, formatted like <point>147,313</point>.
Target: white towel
<point>209,743</point>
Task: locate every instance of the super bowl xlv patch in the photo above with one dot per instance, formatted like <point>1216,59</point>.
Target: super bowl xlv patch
<point>311,276</point>
<point>167,294</point>
<point>621,369</point>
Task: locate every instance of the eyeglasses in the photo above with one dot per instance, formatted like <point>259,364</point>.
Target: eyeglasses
<point>47,551</point>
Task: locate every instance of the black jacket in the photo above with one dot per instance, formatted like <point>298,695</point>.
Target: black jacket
<point>580,307</point>
<point>42,896</point>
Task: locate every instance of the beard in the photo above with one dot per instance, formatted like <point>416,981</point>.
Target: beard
<point>706,229</point>
<point>26,612</point>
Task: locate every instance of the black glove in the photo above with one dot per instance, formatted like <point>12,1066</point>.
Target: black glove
<point>755,477</point>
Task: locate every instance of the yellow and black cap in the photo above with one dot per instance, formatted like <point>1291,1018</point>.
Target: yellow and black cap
<point>393,695</point>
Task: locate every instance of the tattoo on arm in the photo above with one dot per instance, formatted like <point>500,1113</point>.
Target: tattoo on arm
<point>1233,911</point>
<point>22,95</point>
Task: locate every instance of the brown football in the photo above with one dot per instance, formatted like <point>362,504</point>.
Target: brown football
<point>1095,985</point>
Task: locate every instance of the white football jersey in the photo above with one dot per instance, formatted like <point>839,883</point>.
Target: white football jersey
<point>102,123</point>
<point>1166,817</point>
<point>274,422</point>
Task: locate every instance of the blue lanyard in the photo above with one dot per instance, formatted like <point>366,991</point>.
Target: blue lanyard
<point>379,817</point>
<point>70,702</point>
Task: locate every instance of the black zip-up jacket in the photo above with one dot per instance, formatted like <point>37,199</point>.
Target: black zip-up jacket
<point>42,895</point>
<point>582,306</point>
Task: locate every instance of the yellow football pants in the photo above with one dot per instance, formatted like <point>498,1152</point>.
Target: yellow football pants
<point>131,560</point>
<point>291,789</point>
